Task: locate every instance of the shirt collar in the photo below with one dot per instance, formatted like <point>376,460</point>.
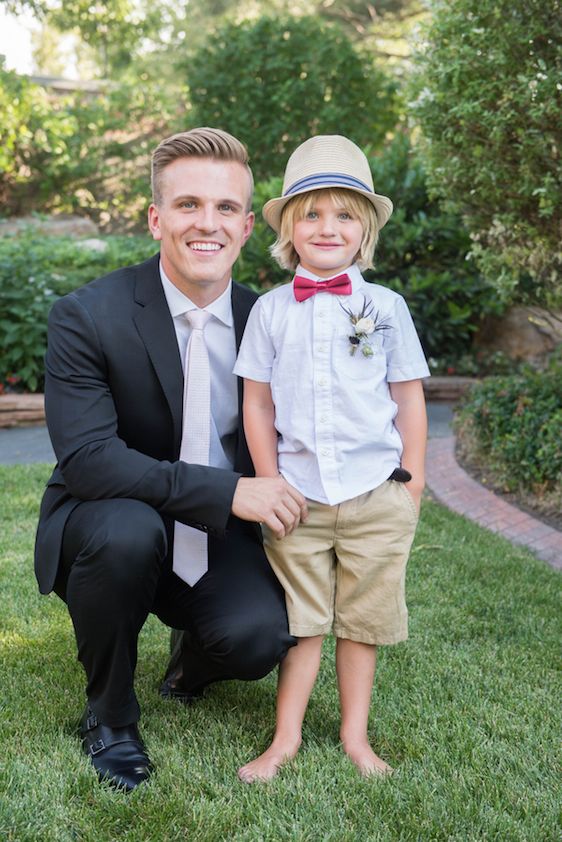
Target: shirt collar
<point>353,272</point>
<point>179,304</point>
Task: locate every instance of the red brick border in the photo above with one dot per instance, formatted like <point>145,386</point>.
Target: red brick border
<point>454,488</point>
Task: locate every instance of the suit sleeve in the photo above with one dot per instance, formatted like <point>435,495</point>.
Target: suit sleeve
<point>94,461</point>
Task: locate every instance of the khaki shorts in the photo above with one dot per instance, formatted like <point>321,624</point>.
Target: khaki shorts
<point>345,568</point>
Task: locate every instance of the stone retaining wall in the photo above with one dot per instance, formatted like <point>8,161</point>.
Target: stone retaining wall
<point>23,410</point>
<point>447,389</point>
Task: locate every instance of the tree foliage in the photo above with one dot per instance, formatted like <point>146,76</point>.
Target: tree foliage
<point>146,36</point>
<point>82,154</point>
<point>114,32</point>
<point>276,81</point>
<point>34,141</point>
<point>423,254</point>
<point>112,29</point>
<point>488,101</point>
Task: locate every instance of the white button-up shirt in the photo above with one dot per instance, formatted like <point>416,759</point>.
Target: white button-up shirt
<point>333,410</point>
<point>221,345</point>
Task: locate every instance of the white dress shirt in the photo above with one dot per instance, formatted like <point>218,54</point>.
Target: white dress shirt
<point>221,345</point>
<point>333,411</point>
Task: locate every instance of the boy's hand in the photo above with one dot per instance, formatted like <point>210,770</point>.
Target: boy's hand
<point>272,501</point>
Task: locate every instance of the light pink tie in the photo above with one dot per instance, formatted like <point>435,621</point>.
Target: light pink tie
<point>190,544</point>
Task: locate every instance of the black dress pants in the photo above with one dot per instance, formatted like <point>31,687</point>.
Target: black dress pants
<point>116,568</point>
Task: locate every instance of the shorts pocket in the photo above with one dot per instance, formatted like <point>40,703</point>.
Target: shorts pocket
<point>410,501</point>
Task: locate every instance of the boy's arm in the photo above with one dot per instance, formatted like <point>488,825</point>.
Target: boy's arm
<point>259,427</point>
<point>261,435</point>
<point>411,423</point>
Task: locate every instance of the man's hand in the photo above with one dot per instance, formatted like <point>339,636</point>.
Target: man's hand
<point>270,500</point>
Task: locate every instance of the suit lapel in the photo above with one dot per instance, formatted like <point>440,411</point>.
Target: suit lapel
<point>243,300</point>
<point>156,328</point>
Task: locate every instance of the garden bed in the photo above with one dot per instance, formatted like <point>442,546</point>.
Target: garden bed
<point>508,437</point>
<point>546,508</point>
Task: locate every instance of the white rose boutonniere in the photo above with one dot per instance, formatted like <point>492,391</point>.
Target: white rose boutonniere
<point>366,326</point>
<point>365,323</point>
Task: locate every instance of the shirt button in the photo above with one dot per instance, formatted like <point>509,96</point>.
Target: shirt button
<point>321,349</point>
<point>325,451</point>
<point>323,419</point>
<point>322,381</point>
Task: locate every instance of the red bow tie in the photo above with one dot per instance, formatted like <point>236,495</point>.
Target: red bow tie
<point>305,288</point>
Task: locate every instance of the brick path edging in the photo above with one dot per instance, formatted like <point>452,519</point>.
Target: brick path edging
<point>454,488</point>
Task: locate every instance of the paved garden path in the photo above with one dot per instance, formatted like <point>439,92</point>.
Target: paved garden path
<point>447,481</point>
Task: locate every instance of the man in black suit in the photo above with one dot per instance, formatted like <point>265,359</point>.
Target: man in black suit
<point>115,412</point>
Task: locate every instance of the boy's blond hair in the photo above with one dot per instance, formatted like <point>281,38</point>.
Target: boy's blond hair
<point>202,142</point>
<point>296,209</point>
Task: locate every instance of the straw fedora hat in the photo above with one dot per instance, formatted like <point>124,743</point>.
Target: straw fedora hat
<point>327,161</point>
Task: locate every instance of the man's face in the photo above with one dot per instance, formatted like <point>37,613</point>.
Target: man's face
<point>202,223</point>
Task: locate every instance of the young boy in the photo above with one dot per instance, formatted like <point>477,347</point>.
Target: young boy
<point>333,401</point>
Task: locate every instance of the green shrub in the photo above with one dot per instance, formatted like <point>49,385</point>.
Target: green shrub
<point>487,97</point>
<point>275,81</point>
<point>34,271</point>
<point>82,153</point>
<point>255,267</point>
<point>24,305</point>
<point>446,306</point>
<point>512,426</point>
<point>423,254</point>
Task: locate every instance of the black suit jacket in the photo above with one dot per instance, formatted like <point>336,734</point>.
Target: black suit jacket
<point>113,400</point>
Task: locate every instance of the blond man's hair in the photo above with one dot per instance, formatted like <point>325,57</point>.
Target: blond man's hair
<point>203,142</point>
<point>297,208</point>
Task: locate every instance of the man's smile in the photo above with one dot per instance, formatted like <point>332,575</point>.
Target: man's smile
<point>204,246</point>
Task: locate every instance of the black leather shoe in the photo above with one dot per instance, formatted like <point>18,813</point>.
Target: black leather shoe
<point>172,688</point>
<point>118,754</point>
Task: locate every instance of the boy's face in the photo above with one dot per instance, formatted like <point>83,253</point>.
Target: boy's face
<point>328,238</point>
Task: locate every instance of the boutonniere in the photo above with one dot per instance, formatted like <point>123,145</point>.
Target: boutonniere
<point>365,324</point>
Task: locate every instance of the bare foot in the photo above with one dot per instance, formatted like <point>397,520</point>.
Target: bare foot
<point>366,760</point>
<point>266,766</point>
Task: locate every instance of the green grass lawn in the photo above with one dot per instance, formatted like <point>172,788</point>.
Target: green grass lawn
<point>466,711</point>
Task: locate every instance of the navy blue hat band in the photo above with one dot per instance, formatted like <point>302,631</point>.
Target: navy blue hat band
<point>318,180</point>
